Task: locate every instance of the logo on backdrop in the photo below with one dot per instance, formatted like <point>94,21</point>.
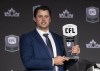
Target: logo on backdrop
<point>92,14</point>
<point>11,43</point>
<point>34,7</point>
<point>92,44</point>
<point>66,14</point>
<point>11,13</point>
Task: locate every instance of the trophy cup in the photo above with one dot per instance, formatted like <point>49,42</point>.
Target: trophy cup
<point>70,39</point>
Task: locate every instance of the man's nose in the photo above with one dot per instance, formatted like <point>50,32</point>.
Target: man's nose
<point>43,18</point>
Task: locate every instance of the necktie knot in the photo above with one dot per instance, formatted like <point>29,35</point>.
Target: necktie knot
<point>45,35</point>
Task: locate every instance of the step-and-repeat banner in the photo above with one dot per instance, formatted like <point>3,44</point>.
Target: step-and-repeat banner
<point>16,18</point>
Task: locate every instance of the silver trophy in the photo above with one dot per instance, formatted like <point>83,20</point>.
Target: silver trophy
<point>70,39</point>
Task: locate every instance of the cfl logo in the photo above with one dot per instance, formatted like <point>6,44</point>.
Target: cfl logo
<point>11,43</point>
<point>12,40</point>
<point>69,30</point>
<point>92,12</point>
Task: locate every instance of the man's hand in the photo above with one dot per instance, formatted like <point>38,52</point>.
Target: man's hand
<point>59,60</point>
<point>76,49</point>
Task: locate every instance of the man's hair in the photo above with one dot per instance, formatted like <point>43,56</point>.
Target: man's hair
<point>42,8</point>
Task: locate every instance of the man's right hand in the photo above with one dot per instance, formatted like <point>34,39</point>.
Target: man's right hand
<point>59,60</point>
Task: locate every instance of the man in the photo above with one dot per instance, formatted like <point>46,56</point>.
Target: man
<point>35,52</point>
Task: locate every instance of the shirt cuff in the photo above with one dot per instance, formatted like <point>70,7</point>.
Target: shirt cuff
<point>52,61</point>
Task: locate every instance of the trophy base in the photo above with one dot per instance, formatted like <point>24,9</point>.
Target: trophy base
<point>73,57</point>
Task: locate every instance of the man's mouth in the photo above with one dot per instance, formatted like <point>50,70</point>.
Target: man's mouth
<point>43,23</point>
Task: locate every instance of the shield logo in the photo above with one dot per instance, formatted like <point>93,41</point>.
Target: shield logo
<point>34,7</point>
<point>11,43</point>
<point>92,14</point>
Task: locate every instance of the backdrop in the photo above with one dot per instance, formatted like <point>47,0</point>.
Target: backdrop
<point>16,18</point>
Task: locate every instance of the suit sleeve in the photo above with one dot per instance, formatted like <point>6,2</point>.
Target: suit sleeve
<point>28,58</point>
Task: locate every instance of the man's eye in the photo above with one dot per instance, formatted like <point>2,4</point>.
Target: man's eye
<point>39,16</point>
<point>46,16</point>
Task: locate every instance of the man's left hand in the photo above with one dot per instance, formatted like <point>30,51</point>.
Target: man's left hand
<point>76,49</point>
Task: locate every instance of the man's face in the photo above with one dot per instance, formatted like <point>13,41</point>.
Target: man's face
<point>42,19</point>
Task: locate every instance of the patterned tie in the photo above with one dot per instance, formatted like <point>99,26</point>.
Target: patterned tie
<point>49,45</point>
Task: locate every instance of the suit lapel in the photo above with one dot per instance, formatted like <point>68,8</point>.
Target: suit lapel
<point>40,41</point>
<point>42,45</point>
<point>57,44</point>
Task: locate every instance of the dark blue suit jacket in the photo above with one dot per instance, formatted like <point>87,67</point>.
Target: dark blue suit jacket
<point>34,53</point>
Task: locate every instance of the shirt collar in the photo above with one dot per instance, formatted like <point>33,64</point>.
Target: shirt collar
<point>42,32</point>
